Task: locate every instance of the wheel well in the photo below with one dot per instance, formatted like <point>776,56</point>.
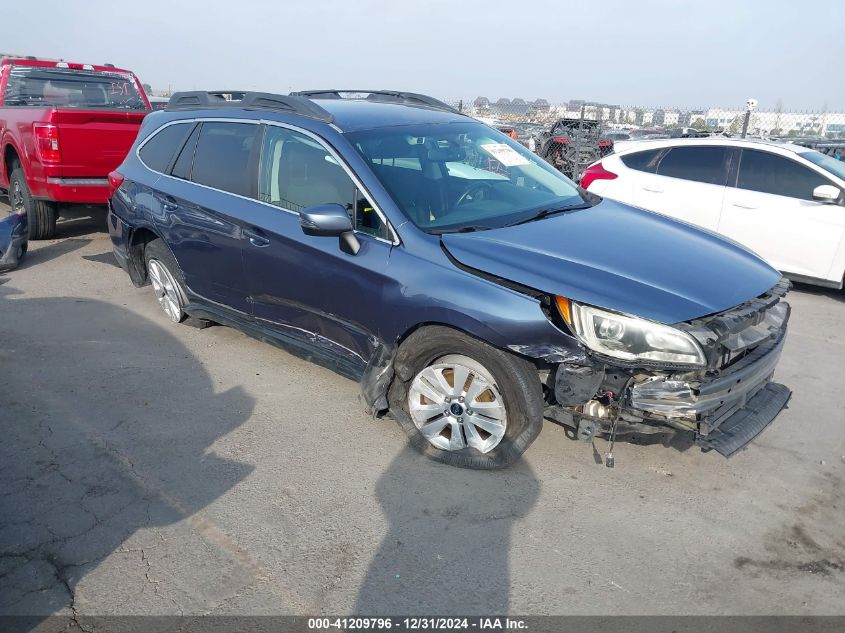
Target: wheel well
<point>427,324</point>
<point>10,157</point>
<point>540,364</point>
<point>136,264</point>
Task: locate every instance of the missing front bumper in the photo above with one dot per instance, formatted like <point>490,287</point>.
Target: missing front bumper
<point>721,412</point>
<point>747,423</point>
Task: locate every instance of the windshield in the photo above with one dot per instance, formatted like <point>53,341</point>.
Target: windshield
<point>835,167</point>
<point>71,88</point>
<point>466,175</point>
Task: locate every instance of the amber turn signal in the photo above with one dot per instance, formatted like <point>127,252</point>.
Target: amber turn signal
<point>563,308</point>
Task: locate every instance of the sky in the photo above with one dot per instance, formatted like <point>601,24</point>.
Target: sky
<point>627,52</point>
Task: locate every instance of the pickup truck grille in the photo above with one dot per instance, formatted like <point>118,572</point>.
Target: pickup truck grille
<point>729,336</point>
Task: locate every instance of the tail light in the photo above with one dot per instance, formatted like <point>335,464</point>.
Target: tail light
<point>561,139</point>
<point>115,180</point>
<point>47,142</point>
<point>596,172</point>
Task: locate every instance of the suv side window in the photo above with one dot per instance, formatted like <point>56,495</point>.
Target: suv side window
<point>777,175</point>
<point>222,157</point>
<point>642,161</point>
<point>159,149</point>
<point>297,172</point>
<point>700,164</point>
<point>182,166</point>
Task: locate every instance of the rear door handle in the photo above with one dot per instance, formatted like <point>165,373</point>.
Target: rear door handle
<point>256,239</point>
<point>169,204</point>
<point>744,205</point>
<point>653,188</point>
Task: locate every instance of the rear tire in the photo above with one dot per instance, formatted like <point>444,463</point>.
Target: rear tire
<point>168,284</point>
<point>40,214</point>
<point>166,279</point>
<point>513,383</point>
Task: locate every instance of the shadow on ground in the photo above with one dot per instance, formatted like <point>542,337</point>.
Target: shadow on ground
<point>77,221</point>
<point>448,546</point>
<point>836,295</point>
<point>37,256</point>
<point>102,436</point>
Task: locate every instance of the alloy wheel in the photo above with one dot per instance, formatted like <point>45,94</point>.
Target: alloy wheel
<point>16,199</point>
<point>455,403</point>
<point>166,289</point>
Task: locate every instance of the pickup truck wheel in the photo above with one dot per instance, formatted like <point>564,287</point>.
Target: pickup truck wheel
<point>166,280</point>
<point>40,214</point>
<point>463,402</point>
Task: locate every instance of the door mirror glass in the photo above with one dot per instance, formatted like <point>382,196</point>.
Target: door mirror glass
<point>330,220</point>
<point>826,193</point>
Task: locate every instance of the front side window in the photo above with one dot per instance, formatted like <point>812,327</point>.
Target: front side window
<point>71,88</point>
<point>457,176</point>
<point>222,156</point>
<point>699,164</point>
<point>297,172</point>
<point>158,151</point>
<point>828,163</point>
<point>769,173</point>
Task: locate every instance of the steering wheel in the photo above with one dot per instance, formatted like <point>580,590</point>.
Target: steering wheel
<point>472,191</point>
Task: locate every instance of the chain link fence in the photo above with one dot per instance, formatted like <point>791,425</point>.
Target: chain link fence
<point>572,135</point>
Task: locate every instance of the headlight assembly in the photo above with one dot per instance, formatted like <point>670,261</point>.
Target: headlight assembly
<point>629,338</point>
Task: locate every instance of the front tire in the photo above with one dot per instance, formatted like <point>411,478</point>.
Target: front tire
<point>463,402</point>
<point>40,214</point>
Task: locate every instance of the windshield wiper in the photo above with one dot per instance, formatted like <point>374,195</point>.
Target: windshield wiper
<point>461,229</point>
<point>544,213</point>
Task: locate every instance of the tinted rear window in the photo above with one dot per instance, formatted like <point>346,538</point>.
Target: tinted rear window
<point>701,164</point>
<point>222,156</point>
<point>642,161</point>
<point>157,152</point>
<point>67,88</point>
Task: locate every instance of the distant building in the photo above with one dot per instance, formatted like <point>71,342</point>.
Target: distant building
<point>481,103</point>
<point>541,105</point>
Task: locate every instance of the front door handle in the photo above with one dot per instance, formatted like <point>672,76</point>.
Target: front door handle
<point>653,188</point>
<point>744,205</point>
<point>256,239</point>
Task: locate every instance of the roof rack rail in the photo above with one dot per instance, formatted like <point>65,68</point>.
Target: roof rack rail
<point>202,99</point>
<point>386,96</point>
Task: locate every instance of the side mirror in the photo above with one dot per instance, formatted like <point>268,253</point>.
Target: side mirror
<point>826,193</point>
<point>330,220</point>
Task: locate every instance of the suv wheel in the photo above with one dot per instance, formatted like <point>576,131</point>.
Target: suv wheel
<point>40,214</point>
<point>463,402</point>
<point>165,277</point>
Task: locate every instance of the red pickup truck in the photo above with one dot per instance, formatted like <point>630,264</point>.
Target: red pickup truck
<point>63,128</point>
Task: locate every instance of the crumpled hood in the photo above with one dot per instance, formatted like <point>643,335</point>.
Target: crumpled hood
<point>621,258</point>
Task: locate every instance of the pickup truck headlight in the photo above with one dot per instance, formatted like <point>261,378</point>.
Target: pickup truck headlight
<point>629,338</point>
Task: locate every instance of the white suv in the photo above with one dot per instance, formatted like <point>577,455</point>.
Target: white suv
<point>783,201</point>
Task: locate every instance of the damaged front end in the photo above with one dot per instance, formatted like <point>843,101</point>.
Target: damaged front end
<point>722,405</point>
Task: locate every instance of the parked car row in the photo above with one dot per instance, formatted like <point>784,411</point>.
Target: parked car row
<point>470,287</point>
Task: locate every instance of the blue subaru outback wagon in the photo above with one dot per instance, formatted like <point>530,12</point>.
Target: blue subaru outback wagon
<point>471,288</point>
